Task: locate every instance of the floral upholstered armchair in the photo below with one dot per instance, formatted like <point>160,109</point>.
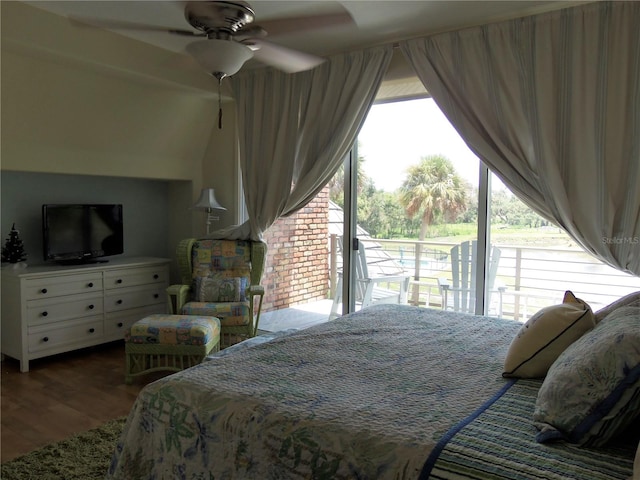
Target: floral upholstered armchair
<point>221,278</point>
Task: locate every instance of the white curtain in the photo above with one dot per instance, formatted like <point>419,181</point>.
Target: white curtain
<point>295,129</point>
<point>551,104</point>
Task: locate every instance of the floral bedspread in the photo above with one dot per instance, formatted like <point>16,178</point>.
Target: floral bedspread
<point>365,396</point>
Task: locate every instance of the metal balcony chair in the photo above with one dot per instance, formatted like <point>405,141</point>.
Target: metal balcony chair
<point>221,278</point>
<point>458,293</point>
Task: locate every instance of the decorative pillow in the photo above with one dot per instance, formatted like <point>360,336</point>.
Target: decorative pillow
<point>592,391</point>
<point>631,300</point>
<point>217,288</point>
<point>545,336</point>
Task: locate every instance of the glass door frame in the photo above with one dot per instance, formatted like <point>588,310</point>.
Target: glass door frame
<point>484,238</point>
<point>349,230</point>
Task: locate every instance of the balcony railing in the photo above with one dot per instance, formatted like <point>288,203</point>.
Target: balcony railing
<point>530,277</point>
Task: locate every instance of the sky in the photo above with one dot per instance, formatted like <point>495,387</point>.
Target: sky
<point>396,135</point>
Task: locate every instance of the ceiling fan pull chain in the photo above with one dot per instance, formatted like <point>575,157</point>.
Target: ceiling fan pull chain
<point>219,103</point>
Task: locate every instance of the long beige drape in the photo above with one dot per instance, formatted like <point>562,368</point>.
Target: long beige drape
<point>295,130</point>
<point>551,103</point>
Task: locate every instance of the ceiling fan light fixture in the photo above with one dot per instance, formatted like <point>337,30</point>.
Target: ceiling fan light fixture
<point>220,58</point>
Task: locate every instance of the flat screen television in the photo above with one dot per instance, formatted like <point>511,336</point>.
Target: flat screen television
<point>82,233</point>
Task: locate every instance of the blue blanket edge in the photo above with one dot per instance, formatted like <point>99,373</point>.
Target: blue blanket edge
<point>435,453</point>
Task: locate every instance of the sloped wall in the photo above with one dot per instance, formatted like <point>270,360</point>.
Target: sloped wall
<point>81,101</point>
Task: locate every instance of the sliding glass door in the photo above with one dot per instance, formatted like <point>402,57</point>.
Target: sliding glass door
<point>410,189</point>
<point>427,224</point>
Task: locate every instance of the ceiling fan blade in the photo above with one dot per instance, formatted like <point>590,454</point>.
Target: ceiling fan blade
<point>124,25</point>
<point>283,58</point>
<point>283,26</point>
<point>250,31</point>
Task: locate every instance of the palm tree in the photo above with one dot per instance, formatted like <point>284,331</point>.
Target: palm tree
<point>433,190</point>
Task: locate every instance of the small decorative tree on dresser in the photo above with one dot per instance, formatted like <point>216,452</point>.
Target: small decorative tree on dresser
<point>13,250</point>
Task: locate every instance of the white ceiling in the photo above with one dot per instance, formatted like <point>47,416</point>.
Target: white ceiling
<point>375,21</point>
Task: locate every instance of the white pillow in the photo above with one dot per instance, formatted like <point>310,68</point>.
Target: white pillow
<point>545,336</point>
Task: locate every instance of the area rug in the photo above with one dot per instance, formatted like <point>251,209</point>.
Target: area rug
<point>85,456</point>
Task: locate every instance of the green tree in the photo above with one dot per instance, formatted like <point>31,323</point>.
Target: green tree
<point>470,215</point>
<point>379,213</point>
<point>336,184</point>
<point>507,209</point>
<point>433,191</point>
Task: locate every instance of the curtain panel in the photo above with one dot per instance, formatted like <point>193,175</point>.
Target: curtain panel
<point>295,130</point>
<point>551,104</point>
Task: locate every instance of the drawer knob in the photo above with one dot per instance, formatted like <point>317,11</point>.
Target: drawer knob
<point>120,324</point>
<point>44,290</point>
<point>45,313</point>
<point>119,280</point>
<point>45,339</point>
<point>155,295</point>
<point>156,276</point>
<point>118,302</point>
<point>90,285</point>
<point>91,330</point>
<point>91,307</point>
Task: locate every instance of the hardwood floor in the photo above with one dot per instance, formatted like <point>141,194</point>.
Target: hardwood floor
<point>63,395</point>
<point>73,392</point>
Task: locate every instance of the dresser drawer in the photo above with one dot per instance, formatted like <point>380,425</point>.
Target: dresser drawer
<point>66,333</point>
<point>116,300</point>
<point>56,309</point>
<point>40,288</point>
<point>136,276</point>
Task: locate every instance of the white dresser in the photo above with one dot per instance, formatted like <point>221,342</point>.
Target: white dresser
<point>53,309</point>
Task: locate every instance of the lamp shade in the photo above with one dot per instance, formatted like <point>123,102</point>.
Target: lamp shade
<point>207,201</point>
<point>216,56</point>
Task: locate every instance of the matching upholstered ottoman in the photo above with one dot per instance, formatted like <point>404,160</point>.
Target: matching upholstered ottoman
<point>169,342</point>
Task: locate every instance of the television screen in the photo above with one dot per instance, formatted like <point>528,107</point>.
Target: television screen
<point>77,233</point>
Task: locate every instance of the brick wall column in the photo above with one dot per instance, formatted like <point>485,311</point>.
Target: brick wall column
<point>297,266</point>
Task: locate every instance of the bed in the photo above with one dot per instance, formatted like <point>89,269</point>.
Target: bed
<point>389,392</point>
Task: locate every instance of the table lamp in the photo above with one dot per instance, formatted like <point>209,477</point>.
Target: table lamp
<point>208,202</point>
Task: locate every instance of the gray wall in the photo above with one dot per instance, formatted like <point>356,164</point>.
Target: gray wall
<point>145,208</point>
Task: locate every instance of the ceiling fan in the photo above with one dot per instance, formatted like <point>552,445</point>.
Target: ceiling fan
<point>227,36</point>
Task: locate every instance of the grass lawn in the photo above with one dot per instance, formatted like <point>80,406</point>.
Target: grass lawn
<point>502,235</point>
